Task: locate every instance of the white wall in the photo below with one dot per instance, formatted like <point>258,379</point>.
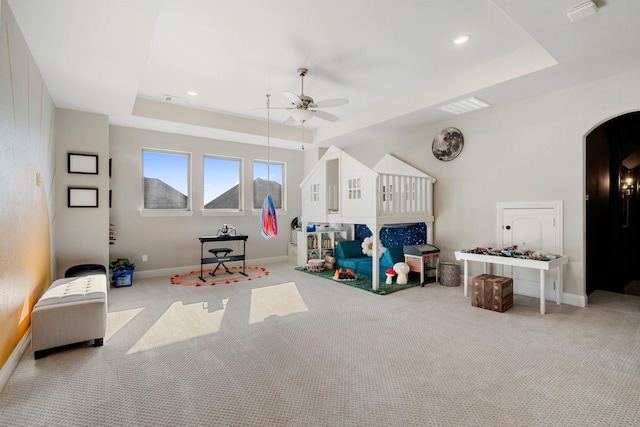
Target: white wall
<point>172,242</point>
<point>82,234</point>
<point>527,151</point>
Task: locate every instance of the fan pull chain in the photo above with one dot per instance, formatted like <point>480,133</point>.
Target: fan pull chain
<point>269,223</point>
<point>268,142</point>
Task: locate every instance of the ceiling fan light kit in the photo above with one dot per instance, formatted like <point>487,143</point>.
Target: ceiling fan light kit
<point>303,115</point>
<point>305,108</point>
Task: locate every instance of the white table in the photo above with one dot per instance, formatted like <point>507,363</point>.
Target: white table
<point>517,262</point>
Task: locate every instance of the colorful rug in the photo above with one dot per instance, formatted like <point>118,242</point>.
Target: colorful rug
<point>221,277</point>
<point>364,282</point>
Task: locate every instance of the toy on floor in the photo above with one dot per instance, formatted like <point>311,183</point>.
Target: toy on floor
<point>390,274</point>
<point>367,247</point>
<point>344,274</point>
<point>315,265</point>
<point>402,269</point>
<point>329,262</point>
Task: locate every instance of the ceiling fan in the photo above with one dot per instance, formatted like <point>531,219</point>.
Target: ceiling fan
<point>305,108</point>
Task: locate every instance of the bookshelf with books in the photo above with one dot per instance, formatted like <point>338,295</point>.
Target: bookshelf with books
<point>318,244</point>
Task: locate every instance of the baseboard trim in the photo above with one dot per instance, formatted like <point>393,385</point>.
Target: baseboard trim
<point>574,299</point>
<point>16,355</point>
<point>568,299</point>
<point>144,274</point>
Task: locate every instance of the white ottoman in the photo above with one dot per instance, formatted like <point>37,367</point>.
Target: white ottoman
<point>72,310</point>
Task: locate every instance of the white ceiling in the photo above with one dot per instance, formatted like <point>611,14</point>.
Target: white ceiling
<point>394,60</point>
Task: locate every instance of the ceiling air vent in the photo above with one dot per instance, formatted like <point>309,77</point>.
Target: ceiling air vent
<point>464,106</point>
<point>174,99</point>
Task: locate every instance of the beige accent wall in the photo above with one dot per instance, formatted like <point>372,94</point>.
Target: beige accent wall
<point>27,175</point>
<point>171,242</point>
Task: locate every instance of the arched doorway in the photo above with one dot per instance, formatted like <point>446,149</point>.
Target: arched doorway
<point>612,209</point>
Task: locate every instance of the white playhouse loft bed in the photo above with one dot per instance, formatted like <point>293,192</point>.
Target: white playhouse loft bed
<point>340,189</point>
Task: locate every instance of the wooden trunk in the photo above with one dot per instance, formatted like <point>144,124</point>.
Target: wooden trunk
<point>492,292</point>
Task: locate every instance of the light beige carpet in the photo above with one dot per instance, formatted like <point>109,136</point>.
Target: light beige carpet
<point>294,350</point>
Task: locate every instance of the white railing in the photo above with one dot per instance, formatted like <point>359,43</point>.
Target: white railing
<point>400,195</point>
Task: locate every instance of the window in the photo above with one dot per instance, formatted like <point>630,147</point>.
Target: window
<point>166,180</point>
<point>315,192</point>
<point>222,183</point>
<point>354,188</point>
<point>274,185</point>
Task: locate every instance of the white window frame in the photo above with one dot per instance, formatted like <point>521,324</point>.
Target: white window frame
<point>225,211</point>
<point>314,192</point>
<point>284,184</point>
<point>354,187</point>
<point>168,212</point>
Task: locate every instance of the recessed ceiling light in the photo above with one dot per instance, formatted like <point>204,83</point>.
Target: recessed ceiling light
<point>464,106</point>
<point>192,92</point>
<point>462,39</point>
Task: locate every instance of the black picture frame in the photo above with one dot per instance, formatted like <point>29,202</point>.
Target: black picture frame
<point>82,163</point>
<point>82,197</point>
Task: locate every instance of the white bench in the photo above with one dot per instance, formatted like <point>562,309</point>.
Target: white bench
<point>72,310</point>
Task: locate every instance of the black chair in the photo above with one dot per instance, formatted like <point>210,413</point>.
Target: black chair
<point>85,270</point>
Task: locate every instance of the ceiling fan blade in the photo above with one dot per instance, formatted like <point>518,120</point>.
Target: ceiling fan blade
<point>295,99</point>
<point>326,116</point>
<point>332,102</point>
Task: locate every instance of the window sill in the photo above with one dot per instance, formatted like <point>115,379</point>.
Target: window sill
<point>211,212</point>
<point>163,213</point>
<point>259,212</point>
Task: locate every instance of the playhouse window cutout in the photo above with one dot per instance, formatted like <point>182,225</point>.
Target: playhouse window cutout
<point>355,191</point>
<point>315,192</point>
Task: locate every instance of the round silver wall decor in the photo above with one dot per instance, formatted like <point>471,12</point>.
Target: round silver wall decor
<point>447,144</point>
